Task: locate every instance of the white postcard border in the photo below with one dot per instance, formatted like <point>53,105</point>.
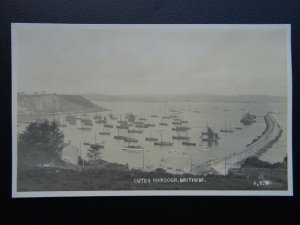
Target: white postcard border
<point>16,194</point>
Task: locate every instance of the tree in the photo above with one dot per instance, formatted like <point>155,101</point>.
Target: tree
<point>45,135</point>
<point>285,160</point>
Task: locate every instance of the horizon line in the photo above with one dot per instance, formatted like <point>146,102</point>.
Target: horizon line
<point>146,94</point>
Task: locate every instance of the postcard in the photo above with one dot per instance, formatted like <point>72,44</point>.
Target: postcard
<point>151,110</point>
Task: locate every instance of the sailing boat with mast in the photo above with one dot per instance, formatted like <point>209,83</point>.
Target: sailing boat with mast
<point>97,145</point>
<point>150,138</point>
<point>101,120</point>
<point>226,130</point>
<point>57,121</point>
<point>108,125</point>
<point>197,110</point>
<point>181,128</point>
<point>112,117</point>
<point>148,124</point>
<point>119,137</point>
<point>179,137</point>
<point>142,117</point>
<point>154,116</point>
<point>134,131</point>
<point>248,119</point>
<point>209,136</point>
<point>97,117</point>
<point>163,123</point>
<point>134,148</point>
<point>104,132</point>
<point>86,124</point>
<point>71,119</point>
<point>85,142</point>
<point>130,139</point>
<point>188,143</point>
<point>163,143</point>
<point>137,125</point>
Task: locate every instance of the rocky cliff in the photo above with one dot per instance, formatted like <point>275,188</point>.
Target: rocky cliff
<point>51,103</point>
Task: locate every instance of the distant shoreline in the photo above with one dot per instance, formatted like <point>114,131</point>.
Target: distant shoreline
<point>188,98</point>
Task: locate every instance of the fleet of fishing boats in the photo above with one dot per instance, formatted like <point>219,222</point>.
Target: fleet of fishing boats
<point>137,124</point>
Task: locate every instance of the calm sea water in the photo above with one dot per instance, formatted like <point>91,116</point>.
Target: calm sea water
<point>178,158</point>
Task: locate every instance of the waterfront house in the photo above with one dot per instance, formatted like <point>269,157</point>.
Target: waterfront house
<point>70,153</point>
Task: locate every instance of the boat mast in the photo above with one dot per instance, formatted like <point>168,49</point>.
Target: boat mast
<point>225,165</point>
<point>143,159</point>
<point>81,155</point>
<point>80,150</point>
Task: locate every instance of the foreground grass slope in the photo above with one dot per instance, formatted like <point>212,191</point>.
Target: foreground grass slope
<point>105,176</point>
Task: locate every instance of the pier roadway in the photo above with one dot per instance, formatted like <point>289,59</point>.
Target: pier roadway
<point>269,136</point>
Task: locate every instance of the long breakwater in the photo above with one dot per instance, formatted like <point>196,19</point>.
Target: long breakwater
<point>256,148</point>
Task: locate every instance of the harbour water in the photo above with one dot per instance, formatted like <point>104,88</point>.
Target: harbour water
<point>177,158</point>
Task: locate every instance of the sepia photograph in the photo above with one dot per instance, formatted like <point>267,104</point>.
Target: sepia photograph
<point>169,109</point>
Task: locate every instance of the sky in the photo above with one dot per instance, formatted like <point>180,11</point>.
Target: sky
<point>151,59</point>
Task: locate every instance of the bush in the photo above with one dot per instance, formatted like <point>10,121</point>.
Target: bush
<point>255,162</point>
<point>160,171</point>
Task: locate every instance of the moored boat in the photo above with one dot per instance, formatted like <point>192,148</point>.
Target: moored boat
<point>209,136</point>
<point>248,119</point>
<point>181,128</point>
<point>163,124</point>
<point>150,138</point>
<point>226,130</point>
<point>188,143</point>
<point>112,117</point>
<point>133,148</point>
<point>122,126</point>
<point>129,139</point>
<point>135,131</point>
<point>164,143</point>
<point>119,137</point>
<point>181,137</point>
